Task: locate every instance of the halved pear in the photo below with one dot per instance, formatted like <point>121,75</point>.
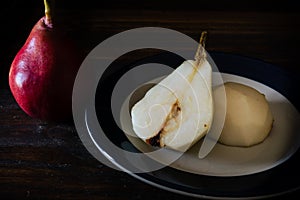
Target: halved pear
<point>178,111</point>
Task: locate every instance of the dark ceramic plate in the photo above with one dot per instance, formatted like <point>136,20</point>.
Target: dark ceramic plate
<point>277,180</point>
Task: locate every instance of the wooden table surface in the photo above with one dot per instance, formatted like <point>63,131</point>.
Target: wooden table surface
<point>44,160</point>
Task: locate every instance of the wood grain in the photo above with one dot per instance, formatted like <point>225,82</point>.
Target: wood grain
<point>43,160</point>
<point>270,36</point>
<point>48,161</point>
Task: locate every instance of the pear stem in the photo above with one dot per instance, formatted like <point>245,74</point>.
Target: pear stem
<point>48,13</point>
<point>200,53</point>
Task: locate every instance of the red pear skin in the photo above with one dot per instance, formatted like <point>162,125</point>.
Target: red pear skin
<point>43,72</point>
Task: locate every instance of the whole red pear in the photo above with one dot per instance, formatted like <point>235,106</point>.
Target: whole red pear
<point>42,74</point>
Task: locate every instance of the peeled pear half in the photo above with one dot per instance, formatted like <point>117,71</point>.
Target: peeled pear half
<point>178,111</point>
<point>248,118</point>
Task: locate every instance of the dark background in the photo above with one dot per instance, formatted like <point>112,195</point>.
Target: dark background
<point>47,160</point>
<point>266,29</point>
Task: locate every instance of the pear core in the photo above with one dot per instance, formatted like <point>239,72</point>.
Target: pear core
<point>178,111</point>
<point>248,119</point>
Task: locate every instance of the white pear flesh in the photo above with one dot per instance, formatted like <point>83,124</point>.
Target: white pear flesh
<point>248,119</point>
<point>178,111</point>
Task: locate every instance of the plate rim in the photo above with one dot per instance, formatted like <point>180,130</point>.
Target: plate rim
<point>195,194</point>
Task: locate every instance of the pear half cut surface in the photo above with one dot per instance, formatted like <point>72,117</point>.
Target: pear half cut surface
<point>178,111</point>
